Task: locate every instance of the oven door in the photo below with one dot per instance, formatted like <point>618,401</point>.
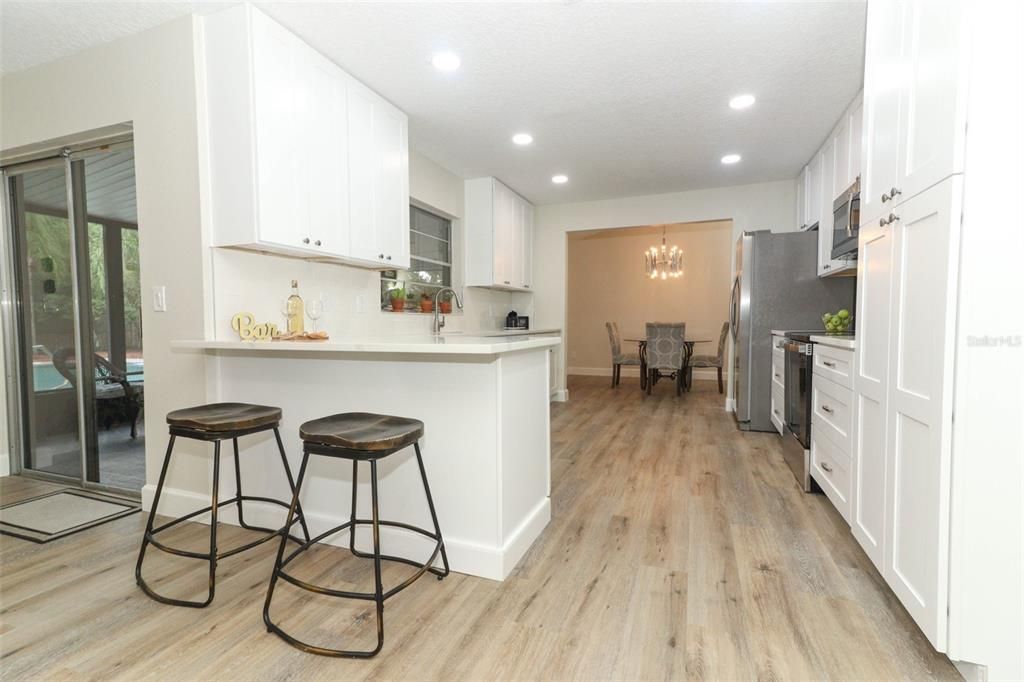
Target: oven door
<point>845,221</point>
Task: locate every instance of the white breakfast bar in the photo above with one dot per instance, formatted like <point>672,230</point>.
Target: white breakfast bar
<point>484,401</point>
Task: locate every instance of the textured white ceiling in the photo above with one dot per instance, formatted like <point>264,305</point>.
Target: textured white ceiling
<point>625,99</point>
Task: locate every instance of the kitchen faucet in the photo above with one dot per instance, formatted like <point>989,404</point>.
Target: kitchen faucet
<point>438,317</point>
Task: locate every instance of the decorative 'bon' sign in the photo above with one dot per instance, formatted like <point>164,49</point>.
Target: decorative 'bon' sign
<point>248,330</point>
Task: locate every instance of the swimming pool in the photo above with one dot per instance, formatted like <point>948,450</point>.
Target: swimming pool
<point>45,376</point>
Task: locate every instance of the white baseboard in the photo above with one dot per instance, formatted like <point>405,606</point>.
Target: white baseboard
<point>559,395</point>
<point>972,672</point>
<point>471,558</point>
<point>699,373</point>
<point>730,405</point>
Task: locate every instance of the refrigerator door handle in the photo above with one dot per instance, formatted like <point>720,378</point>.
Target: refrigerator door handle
<point>732,307</point>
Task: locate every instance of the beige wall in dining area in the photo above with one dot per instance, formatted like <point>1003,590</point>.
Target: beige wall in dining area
<point>605,282</point>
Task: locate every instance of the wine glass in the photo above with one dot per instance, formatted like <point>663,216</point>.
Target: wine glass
<point>314,309</point>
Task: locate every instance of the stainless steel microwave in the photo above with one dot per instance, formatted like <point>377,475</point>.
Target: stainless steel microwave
<point>845,220</point>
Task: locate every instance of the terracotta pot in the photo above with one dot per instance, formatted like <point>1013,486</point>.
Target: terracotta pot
<point>446,307</point>
<point>426,305</point>
<point>398,304</point>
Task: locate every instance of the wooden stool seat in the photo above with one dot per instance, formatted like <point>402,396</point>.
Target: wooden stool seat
<point>220,417</point>
<point>364,431</point>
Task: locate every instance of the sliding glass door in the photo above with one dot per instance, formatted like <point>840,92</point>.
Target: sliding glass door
<point>72,243</point>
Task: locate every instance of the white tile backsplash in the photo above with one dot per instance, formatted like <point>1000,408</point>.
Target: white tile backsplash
<point>259,283</point>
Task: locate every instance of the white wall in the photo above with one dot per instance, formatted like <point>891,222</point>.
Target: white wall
<point>148,80</point>
<point>770,205</point>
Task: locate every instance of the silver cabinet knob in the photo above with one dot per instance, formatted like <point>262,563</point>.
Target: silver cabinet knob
<point>306,240</point>
<point>381,256</point>
<point>389,257</point>
<point>885,197</point>
<point>827,266</point>
<point>894,192</point>
<point>826,467</point>
<point>892,218</point>
<point>882,222</point>
<point>317,242</point>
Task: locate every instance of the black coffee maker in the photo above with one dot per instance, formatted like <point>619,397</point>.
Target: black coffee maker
<point>515,321</point>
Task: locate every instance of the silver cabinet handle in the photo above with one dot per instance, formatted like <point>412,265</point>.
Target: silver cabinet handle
<point>306,240</point>
<point>778,376</point>
<point>389,257</point>
<point>317,242</point>
<point>507,282</point>
<point>826,467</point>
<point>894,192</point>
<point>882,222</point>
<point>776,412</point>
<point>827,266</point>
<point>885,197</point>
<point>828,364</point>
<point>826,408</point>
<point>893,218</point>
<point>380,255</point>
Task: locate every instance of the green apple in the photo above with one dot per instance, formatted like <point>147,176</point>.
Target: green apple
<point>844,313</point>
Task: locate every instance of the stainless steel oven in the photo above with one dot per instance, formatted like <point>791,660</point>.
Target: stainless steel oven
<point>796,441</point>
<point>845,220</point>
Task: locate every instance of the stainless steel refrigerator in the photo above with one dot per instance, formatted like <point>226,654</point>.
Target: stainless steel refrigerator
<point>776,287</point>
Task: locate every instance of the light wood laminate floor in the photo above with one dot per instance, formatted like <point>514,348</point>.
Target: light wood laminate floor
<point>678,548</point>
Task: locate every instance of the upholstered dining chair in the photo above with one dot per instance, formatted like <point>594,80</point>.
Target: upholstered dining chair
<point>665,351</point>
<point>618,357</point>
<point>716,361</point>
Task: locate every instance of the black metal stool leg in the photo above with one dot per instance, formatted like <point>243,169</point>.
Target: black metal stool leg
<point>292,486</point>
<point>352,515</point>
<point>213,520</point>
<point>152,514</point>
<point>378,582</point>
<point>281,546</point>
<point>433,513</point>
<point>238,484</point>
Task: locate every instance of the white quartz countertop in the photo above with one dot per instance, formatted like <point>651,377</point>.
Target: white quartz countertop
<point>446,344</point>
<point>847,342</point>
<point>512,332</point>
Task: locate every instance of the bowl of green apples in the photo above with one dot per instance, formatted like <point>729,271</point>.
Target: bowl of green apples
<point>837,323</point>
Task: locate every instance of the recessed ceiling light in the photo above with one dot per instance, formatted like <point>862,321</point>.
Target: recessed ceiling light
<point>559,179</point>
<point>731,158</point>
<point>522,139</point>
<point>446,61</point>
<point>742,101</point>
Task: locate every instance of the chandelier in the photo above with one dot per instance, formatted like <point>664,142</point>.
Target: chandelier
<point>663,263</point>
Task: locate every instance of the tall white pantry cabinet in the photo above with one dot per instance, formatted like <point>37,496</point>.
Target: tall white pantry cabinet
<point>922,67</point>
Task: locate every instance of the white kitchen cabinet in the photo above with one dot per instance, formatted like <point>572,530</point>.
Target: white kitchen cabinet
<point>835,161</point>
<point>778,404</point>
<point>801,200</point>
<point>914,101</point>
<point>883,61</point>
<point>380,192</point>
<point>813,191</point>
<point>926,234</point>
<point>303,159</point>
<point>499,236</point>
<point>846,140</point>
<point>833,419</point>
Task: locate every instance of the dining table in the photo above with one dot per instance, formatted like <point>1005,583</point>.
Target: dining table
<point>641,342</point>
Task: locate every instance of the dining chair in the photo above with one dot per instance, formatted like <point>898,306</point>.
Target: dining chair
<point>665,353</point>
<point>716,361</point>
<point>618,357</point>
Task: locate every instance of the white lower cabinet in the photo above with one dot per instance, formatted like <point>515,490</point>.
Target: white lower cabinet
<point>832,425</point>
<point>778,415</point>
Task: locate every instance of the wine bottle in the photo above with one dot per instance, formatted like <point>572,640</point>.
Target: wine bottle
<point>296,310</point>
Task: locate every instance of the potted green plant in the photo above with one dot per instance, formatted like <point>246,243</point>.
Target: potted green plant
<point>397,296</point>
<point>426,303</point>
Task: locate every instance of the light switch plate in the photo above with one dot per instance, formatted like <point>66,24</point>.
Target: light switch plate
<point>160,299</point>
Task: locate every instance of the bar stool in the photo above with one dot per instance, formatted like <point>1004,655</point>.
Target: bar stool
<point>357,436</point>
<point>216,422</point>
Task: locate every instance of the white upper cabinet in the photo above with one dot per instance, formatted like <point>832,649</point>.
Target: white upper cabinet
<point>304,160</point>
<point>499,236</point>
<point>801,200</point>
<point>914,101</point>
<point>813,192</point>
<point>846,142</point>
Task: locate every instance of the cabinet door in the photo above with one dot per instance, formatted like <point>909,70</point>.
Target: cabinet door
<point>856,143</point>
<point>841,159</point>
<point>504,234</point>
<point>282,198</point>
<point>828,155</point>
<point>518,242</point>
<point>325,156</point>
<point>362,174</point>
<point>391,186</point>
<point>882,82</point>
<point>923,319</point>
<point>528,246</point>
<point>814,190</point>
<point>932,103</point>
<point>871,380</point>
<point>801,200</point>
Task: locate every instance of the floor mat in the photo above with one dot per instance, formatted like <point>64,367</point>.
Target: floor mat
<point>61,513</point>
